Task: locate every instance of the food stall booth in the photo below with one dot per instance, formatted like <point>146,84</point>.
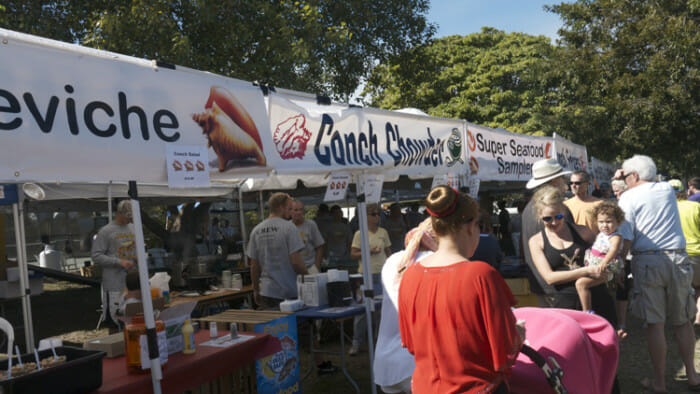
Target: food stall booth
<point>77,115</point>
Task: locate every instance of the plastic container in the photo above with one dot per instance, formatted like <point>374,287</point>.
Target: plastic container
<point>134,336</point>
<point>81,373</point>
<point>155,292</point>
<point>188,333</point>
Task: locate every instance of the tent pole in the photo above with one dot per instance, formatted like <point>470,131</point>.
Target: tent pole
<point>109,201</point>
<point>262,205</point>
<point>153,353</point>
<point>24,288</point>
<point>367,287</point>
<point>241,217</point>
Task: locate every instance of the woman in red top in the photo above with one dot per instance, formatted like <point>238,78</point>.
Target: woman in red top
<point>454,314</point>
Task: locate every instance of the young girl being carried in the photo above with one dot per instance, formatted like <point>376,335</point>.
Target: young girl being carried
<point>605,252</point>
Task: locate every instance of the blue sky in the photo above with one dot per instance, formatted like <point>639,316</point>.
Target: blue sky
<point>468,16</point>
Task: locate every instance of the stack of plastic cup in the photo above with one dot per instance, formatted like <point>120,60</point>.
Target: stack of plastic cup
<point>237,282</point>
<point>226,279</point>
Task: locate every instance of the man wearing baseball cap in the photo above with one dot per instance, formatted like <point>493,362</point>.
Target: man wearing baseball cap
<point>544,172</point>
<point>114,250</point>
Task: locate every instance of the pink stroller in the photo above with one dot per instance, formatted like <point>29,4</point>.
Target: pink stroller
<point>578,353</point>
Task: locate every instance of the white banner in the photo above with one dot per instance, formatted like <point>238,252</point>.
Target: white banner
<point>601,171</point>
<point>572,157</point>
<point>496,155</point>
<point>69,113</point>
<point>312,138</point>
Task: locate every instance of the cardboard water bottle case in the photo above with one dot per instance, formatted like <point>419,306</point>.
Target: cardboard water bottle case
<point>311,289</point>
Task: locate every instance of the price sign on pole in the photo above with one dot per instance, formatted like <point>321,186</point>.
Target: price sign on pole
<point>453,180</point>
<point>473,185</point>
<point>439,180</point>
<point>373,188</point>
<point>337,187</point>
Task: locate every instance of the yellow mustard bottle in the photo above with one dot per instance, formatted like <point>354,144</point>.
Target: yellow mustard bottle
<point>188,334</point>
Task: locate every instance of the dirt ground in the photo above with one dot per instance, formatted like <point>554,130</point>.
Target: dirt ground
<point>70,311</point>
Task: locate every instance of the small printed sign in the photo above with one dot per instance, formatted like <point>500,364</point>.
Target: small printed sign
<point>187,166</point>
<point>439,180</point>
<point>337,187</point>
<point>473,184</point>
<point>453,180</point>
<point>373,188</point>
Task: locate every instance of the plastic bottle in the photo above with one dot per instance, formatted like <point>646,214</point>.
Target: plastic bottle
<point>134,336</point>
<point>188,333</point>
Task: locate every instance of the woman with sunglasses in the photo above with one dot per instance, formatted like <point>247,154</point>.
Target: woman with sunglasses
<point>557,252</point>
<point>454,314</point>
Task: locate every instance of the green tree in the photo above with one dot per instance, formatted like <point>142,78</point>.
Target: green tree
<point>320,46</point>
<point>627,80</point>
<point>490,78</point>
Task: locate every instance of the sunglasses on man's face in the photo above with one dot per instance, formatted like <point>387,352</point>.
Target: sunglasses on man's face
<point>548,219</point>
<point>577,183</point>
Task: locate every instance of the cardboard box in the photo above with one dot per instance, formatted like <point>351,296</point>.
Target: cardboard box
<point>4,265</point>
<point>113,344</point>
<point>137,307</point>
<point>11,289</point>
<point>518,286</point>
<point>312,289</point>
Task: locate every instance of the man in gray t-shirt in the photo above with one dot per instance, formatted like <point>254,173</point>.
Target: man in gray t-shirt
<point>312,253</point>
<point>113,249</point>
<point>274,253</point>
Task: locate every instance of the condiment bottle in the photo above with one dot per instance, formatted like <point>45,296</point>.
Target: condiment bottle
<point>155,292</point>
<point>134,336</point>
<point>188,333</point>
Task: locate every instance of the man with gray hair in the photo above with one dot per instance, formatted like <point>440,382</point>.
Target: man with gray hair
<point>660,266</point>
<point>274,253</point>
<point>114,250</point>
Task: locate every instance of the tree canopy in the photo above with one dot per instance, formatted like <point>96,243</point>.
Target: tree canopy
<point>490,78</point>
<point>319,46</point>
<point>627,80</point>
<point>623,79</point>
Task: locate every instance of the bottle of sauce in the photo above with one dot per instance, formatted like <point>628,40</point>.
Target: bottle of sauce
<point>188,333</point>
<point>136,347</point>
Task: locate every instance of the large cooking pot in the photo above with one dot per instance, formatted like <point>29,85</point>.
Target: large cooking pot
<point>202,265</point>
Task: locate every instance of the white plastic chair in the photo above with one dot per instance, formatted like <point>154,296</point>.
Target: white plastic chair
<point>10,332</point>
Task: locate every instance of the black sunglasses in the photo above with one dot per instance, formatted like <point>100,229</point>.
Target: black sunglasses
<point>576,183</point>
<point>548,219</point>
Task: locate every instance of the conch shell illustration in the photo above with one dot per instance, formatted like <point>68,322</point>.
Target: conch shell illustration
<point>227,139</point>
<point>229,128</point>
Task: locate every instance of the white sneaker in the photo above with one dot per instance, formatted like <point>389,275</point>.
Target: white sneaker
<point>354,349</point>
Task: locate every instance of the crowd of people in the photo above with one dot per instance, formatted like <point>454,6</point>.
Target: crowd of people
<point>447,323</point>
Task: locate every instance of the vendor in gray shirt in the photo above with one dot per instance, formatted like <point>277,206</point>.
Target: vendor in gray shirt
<point>274,255</point>
<point>312,253</point>
<point>113,249</point>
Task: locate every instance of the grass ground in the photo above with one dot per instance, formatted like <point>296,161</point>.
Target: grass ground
<point>67,308</point>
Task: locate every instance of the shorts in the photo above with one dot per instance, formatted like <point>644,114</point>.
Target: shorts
<point>695,263</point>
<point>663,288</point>
<point>403,386</point>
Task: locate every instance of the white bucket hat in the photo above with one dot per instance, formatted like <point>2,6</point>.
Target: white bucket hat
<point>544,171</point>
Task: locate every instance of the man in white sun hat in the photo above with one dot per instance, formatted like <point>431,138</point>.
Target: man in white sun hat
<point>544,172</point>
